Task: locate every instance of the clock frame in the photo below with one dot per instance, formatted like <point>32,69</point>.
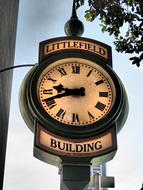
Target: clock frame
<point>69,84</point>
<point>71,130</point>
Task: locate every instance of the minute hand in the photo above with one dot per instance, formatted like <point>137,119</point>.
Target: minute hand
<point>57,96</point>
<point>68,92</point>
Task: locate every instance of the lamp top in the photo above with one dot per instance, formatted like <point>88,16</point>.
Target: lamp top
<point>74,27</point>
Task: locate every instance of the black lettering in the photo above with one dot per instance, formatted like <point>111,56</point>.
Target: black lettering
<point>89,73</point>
<point>99,82</point>
<point>69,45</point>
<point>75,117</point>
<point>103,94</point>
<point>86,46</point>
<point>98,145</point>
<point>61,146</point>
<point>53,80</point>
<point>64,44</point>
<point>84,146</point>
<point>62,71</point>
<point>90,115</point>
<point>57,46</point>
<point>48,49</point>
<point>94,47</point>
<point>90,147</point>
<point>90,47</point>
<point>79,148</point>
<point>48,91</point>
<point>61,113</point>
<point>51,103</point>
<point>81,45</point>
<point>100,106</point>
<point>75,44</point>
<point>75,69</point>
<point>101,51</point>
<point>69,148</point>
<point>53,143</point>
<point>53,47</point>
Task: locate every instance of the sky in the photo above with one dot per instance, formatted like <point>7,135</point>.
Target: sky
<point>45,19</point>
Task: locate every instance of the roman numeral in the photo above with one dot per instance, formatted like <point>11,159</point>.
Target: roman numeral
<point>51,103</point>
<point>62,71</point>
<point>61,113</point>
<point>90,115</point>
<point>103,94</point>
<point>75,69</point>
<point>89,73</point>
<point>75,117</point>
<point>100,106</point>
<point>99,82</point>
<point>53,80</point>
<point>49,91</point>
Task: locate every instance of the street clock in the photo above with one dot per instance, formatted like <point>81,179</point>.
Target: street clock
<point>74,94</point>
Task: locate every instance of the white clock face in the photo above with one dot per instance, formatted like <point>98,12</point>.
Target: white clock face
<point>76,91</point>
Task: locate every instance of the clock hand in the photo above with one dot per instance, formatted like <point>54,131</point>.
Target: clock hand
<point>56,96</point>
<point>78,92</point>
<point>59,88</point>
<point>68,92</point>
<point>75,91</point>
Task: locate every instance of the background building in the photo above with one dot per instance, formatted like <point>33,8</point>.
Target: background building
<point>99,169</point>
<point>8,23</point>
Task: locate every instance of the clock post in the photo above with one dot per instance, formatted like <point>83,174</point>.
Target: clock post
<point>75,104</point>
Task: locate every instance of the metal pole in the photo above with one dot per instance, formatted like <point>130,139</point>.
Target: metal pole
<point>97,184</point>
<point>75,177</point>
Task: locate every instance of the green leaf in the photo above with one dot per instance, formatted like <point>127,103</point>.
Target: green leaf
<point>103,28</point>
<point>90,15</point>
<point>123,20</point>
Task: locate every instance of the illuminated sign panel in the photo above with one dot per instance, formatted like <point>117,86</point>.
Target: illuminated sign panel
<point>75,44</point>
<point>74,147</point>
<point>85,45</point>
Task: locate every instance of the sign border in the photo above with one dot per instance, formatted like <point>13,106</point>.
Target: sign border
<point>112,130</point>
<point>91,46</point>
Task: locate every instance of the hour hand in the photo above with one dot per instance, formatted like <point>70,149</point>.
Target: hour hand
<point>59,88</point>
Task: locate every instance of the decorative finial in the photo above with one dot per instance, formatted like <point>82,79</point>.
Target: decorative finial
<point>74,15</point>
<point>74,27</point>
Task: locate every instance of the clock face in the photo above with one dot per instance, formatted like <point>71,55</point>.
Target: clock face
<point>76,91</point>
